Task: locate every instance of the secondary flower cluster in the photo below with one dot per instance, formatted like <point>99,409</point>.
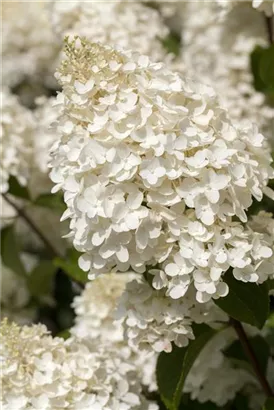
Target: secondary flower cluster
<point>118,23</point>
<point>95,320</point>
<point>26,139</point>
<point>139,146</point>
<point>265,6</point>
<point>42,372</point>
<point>17,126</point>
<point>29,46</point>
<point>152,320</point>
<point>217,51</point>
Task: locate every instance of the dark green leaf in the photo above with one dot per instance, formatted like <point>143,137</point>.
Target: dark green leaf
<point>10,251</point>
<point>70,266</point>
<point>173,368</point>
<point>262,66</point>
<point>269,404</point>
<point>18,190</point>
<point>52,201</point>
<point>246,302</point>
<point>172,43</point>
<point>40,281</point>
<point>260,348</point>
<point>239,403</point>
<point>188,404</point>
<point>267,67</point>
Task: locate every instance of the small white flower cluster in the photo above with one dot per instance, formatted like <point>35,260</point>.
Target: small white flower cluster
<point>28,43</point>
<point>217,51</point>
<point>118,23</point>
<point>26,139</point>
<point>140,144</point>
<point>42,372</point>
<point>95,308</point>
<point>152,320</point>
<point>17,125</point>
<point>95,320</point>
<point>212,368</point>
<point>265,6</point>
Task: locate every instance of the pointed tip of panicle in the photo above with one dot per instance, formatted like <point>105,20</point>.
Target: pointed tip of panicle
<point>83,56</point>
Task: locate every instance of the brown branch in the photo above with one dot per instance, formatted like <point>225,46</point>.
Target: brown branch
<point>34,228</point>
<point>251,356</point>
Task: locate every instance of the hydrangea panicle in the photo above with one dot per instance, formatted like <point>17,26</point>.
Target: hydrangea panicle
<point>153,172</point>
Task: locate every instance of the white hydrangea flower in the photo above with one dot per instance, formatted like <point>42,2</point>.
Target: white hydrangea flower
<point>152,320</point>
<point>15,297</point>
<point>95,320</point>
<point>217,51</point>
<point>117,23</point>
<point>42,372</point>
<point>29,46</point>
<point>266,6</point>
<point>95,308</point>
<point>138,144</point>
<point>212,368</point>
<point>17,125</point>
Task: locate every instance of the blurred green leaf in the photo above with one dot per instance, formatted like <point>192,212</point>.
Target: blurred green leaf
<point>10,252</point>
<point>40,281</point>
<point>70,266</point>
<point>188,404</point>
<point>246,302</point>
<point>52,201</point>
<point>269,404</point>
<point>17,190</point>
<point>172,43</point>
<point>262,66</point>
<point>173,368</point>
<point>260,348</point>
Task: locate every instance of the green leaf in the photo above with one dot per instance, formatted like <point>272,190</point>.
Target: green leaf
<point>70,266</point>
<point>262,66</point>
<point>10,252</point>
<point>269,404</point>
<point>246,302</point>
<point>52,201</point>
<point>40,281</point>
<point>172,43</point>
<point>188,404</point>
<point>173,368</point>
<point>260,348</point>
<point>18,190</point>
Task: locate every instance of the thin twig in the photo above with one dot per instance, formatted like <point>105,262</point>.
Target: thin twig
<point>35,229</point>
<point>251,356</point>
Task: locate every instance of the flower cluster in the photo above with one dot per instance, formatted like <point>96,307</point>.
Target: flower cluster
<point>217,51</point>
<point>95,308</point>
<point>95,320</point>
<point>152,320</point>
<point>265,6</point>
<point>140,144</point>
<point>213,368</point>
<point>28,43</point>
<point>17,127</point>
<point>117,23</point>
<point>42,372</point>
